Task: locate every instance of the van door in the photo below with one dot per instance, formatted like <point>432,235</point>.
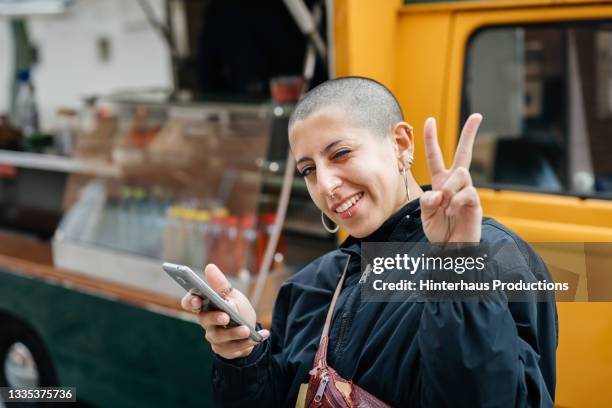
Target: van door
<point>542,77</point>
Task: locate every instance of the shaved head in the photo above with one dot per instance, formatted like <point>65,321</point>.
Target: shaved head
<point>366,102</point>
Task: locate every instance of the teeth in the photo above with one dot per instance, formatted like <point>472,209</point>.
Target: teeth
<point>349,203</point>
<point>344,207</point>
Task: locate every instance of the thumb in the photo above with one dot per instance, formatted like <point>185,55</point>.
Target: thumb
<point>216,279</point>
<point>430,202</point>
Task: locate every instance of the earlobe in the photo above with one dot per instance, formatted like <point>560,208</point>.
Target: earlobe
<point>406,161</point>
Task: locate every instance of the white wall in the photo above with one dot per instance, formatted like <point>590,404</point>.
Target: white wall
<point>69,63</point>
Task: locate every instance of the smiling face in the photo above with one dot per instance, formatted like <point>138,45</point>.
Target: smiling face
<point>359,168</point>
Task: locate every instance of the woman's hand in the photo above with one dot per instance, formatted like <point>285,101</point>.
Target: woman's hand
<point>451,212</point>
<point>229,343</point>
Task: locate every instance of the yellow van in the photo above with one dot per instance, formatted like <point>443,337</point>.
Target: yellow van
<point>541,73</point>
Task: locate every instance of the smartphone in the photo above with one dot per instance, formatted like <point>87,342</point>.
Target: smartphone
<point>191,282</point>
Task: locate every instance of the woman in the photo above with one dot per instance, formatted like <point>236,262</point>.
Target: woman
<point>355,151</point>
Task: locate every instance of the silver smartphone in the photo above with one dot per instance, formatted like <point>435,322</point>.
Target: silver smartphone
<point>191,282</point>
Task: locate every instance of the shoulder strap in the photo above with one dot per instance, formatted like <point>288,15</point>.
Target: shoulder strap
<point>332,306</point>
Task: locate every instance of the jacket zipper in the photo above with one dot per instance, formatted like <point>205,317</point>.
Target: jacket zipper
<point>319,395</point>
<point>339,343</point>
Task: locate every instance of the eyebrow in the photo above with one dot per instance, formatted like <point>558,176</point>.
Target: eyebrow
<point>324,151</point>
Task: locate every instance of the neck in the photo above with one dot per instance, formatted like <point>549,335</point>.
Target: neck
<point>415,192</point>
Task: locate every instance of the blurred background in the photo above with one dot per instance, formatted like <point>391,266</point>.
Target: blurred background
<point>136,132</point>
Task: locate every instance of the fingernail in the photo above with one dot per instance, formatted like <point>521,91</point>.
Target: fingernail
<point>221,320</point>
<point>264,333</point>
<point>195,302</point>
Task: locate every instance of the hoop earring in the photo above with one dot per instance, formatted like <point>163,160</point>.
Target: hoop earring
<point>330,230</point>
<point>406,182</point>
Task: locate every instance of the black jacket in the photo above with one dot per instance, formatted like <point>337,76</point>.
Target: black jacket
<point>432,354</point>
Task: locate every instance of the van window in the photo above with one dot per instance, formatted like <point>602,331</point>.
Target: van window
<point>546,95</point>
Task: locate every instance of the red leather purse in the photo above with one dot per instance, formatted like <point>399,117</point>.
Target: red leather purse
<point>326,388</point>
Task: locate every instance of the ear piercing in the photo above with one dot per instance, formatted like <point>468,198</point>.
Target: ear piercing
<point>328,229</point>
<point>405,176</point>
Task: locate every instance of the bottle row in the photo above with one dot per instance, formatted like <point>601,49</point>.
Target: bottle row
<point>149,222</point>
<point>236,244</point>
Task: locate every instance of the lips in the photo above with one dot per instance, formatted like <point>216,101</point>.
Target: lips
<point>342,205</point>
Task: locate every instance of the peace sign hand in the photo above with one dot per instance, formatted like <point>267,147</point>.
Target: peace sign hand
<point>451,212</point>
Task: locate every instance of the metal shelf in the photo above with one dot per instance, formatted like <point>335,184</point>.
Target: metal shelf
<point>59,164</point>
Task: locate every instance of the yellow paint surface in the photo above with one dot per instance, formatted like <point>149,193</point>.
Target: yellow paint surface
<point>418,51</point>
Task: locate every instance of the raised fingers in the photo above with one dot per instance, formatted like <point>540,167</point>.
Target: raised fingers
<point>458,179</point>
<point>430,203</point>
<point>463,155</point>
<point>468,197</point>
<point>435,162</point>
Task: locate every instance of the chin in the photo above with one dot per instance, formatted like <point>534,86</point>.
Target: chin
<point>360,232</point>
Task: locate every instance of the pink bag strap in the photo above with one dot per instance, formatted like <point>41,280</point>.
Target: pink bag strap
<point>320,360</point>
<point>332,306</point>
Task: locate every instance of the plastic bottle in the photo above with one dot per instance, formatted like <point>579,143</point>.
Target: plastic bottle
<point>264,233</point>
<point>108,233</point>
<point>26,112</point>
<point>124,216</point>
<point>202,226</point>
<point>150,225</point>
<point>139,232</point>
<point>192,245</point>
<point>158,203</point>
<point>182,231</point>
<point>171,234</point>
<point>214,230</point>
<point>245,245</point>
<point>65,137</point>
<point>230,243</point>
<point>214,243</point>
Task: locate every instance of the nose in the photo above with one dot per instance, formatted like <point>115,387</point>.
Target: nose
<point>328,182</point>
